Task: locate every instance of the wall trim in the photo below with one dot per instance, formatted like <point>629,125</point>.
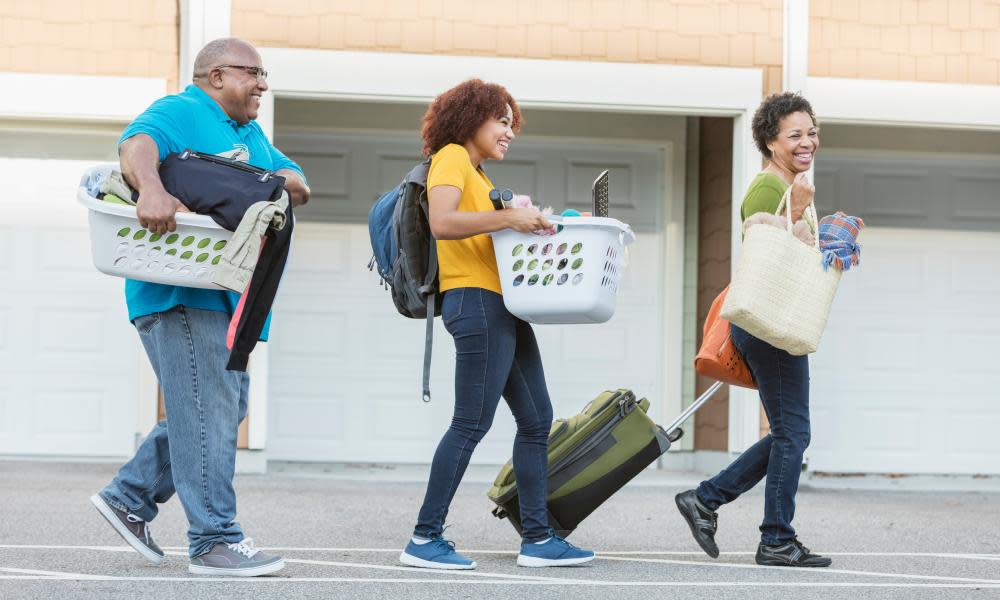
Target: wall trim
<point>77,97</point>
<point>905,103</point>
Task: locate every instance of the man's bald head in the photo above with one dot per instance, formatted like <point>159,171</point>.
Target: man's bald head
<point>229,70</point>
<point>220,52</point>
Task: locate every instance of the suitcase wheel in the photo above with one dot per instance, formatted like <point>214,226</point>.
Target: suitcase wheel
<point>675,435</point>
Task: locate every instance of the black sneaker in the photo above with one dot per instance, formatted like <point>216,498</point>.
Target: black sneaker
<point>790,554</point>
<point>133,530</point>
<point>702,521</point>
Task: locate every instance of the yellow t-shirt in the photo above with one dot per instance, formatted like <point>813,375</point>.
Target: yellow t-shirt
<point>469,262</point>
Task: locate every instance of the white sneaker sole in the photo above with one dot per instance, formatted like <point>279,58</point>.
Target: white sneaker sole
<point>535,562</point>
<point>137,545</point>
<point>413,561</point>
<point>247,572</point>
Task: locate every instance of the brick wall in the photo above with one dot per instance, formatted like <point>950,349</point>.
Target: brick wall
<point>947,41</point>
<point>692,32</point>
<point>715,163</point>
<point>135,38</point>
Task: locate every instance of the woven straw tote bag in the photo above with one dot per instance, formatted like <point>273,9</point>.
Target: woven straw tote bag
<point>780,292</point>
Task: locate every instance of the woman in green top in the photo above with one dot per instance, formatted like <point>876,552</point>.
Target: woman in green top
<point>785,131</point>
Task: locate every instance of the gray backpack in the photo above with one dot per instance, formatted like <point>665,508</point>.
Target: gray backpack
<point>405,253</point>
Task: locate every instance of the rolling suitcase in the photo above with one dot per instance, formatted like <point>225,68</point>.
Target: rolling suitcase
<point>592,455</point>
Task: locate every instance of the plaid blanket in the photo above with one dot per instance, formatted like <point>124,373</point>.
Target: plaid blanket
<point>838,240</point>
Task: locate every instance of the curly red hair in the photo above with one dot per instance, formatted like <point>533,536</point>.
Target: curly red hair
<point>456,115</point>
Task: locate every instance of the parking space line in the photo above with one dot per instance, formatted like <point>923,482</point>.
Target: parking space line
<point>560,583</point>
<point>183,550</point>
<point>825,570</point>
<point>53,574</point>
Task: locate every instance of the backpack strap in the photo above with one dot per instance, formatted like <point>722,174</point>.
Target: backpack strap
<point>427,288</point>
<point>428,339</point>
<point>418,175</point>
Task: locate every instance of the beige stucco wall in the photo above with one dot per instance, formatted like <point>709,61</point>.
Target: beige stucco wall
<point>134,38</point>
<point>948,41</point>
<point>702,32</point>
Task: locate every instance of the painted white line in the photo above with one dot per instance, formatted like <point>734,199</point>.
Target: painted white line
<point>817,571</point>
<point>182,550</point>
<point>567,583</point>
<point>38,573</point>
<point>470,573</point>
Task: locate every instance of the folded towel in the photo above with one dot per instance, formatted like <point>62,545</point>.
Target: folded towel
<point>838,240</point>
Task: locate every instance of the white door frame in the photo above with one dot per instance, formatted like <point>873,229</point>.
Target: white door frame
<point>566,85</point>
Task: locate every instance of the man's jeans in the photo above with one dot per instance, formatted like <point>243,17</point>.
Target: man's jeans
<point>783,383</point>
<point>495,353</point>
<point>193,451</point>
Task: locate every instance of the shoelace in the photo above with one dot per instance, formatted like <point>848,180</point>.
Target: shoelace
<point>131,518</point>
<point>798,544</point>
<point>449,545</point>
<point>246,548</point>
<point>562,540</point>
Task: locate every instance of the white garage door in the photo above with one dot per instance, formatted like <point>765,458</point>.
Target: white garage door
<point>906,379</point>
<point>68,355</point>
<point>345,367</point>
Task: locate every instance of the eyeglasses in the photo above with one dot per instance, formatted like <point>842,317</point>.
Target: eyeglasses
<point>257,72</point>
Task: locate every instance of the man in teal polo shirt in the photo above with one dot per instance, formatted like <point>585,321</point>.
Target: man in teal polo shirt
<point>193,451</point>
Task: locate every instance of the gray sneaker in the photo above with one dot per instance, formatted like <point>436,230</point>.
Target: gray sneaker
<point>241,559</point>
<point>133,530</point>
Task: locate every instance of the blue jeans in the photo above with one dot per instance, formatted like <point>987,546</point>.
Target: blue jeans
<point>496,353</point>
<point>193,451</point>
<point>783,383</point>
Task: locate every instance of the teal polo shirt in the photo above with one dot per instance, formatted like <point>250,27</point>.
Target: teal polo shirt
<point>192,119</point>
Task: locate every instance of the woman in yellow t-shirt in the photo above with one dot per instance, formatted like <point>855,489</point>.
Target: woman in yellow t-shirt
<point>496,353</point>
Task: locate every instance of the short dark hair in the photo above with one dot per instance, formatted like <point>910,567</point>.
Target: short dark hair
<point>456,115</point>
<point>769,114</point>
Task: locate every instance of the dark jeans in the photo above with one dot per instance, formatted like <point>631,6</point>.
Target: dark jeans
<point>783,383</point>
<point>495,353</point>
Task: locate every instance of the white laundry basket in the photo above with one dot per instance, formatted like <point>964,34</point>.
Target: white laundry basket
<point>187,257</point>
<point>569,277</point>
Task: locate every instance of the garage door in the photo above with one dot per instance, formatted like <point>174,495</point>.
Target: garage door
<point>345,368</point>
<point>68,357</point>
<point>906,379</point>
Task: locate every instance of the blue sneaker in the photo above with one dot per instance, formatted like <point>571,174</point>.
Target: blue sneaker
<point>553,552</point>
<point>438,553</point>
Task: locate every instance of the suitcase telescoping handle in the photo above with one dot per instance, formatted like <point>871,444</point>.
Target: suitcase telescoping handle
<point>673,430</point>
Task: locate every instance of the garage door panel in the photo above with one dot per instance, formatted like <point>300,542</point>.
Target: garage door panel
<point>6,249</point>
<point>894,432</point>
<point>312,419</point>
<point>973,353</point>
<point>69,333</point>
<point>520,175</point>
<point>6,341</point>
<point>895,193</point>
<point>315,336</point>
<point>975,196</point>
<point>969,275</point>
<point>75,412</point>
